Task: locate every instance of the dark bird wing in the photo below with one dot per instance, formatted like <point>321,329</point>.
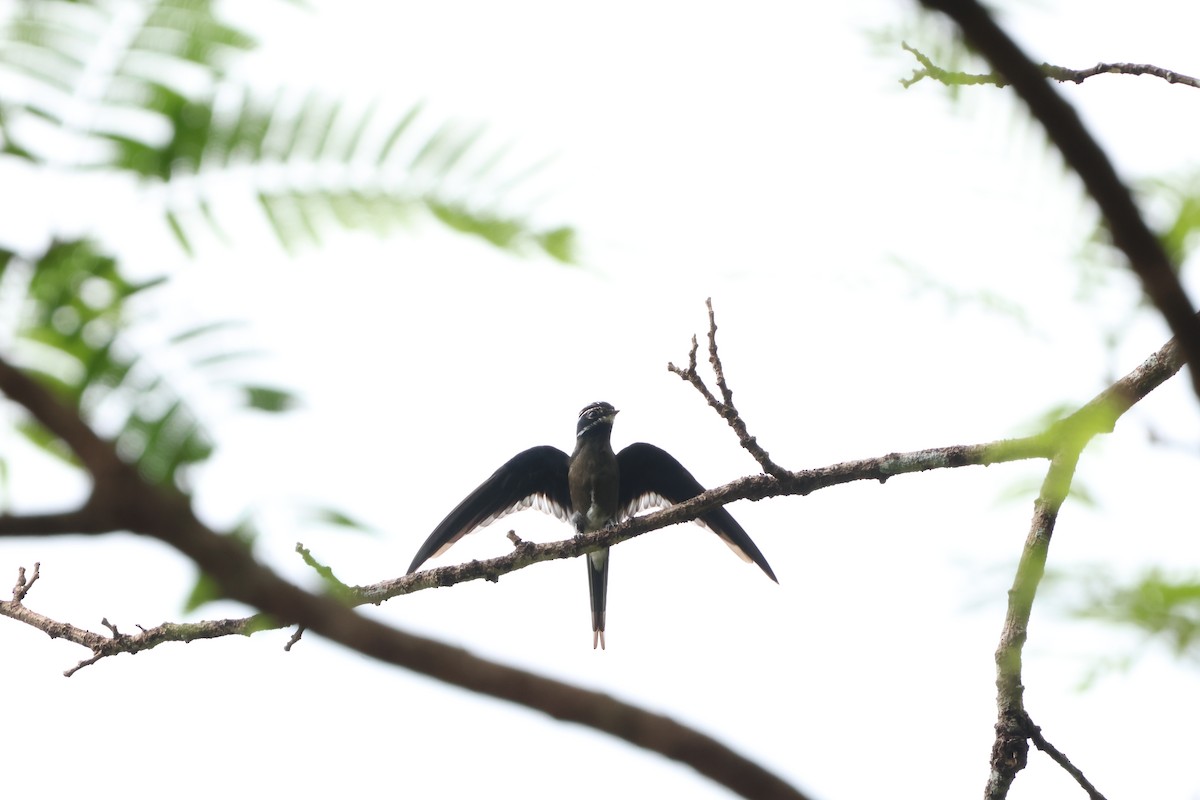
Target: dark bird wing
<point>535,478</point>
<point>651,477</point>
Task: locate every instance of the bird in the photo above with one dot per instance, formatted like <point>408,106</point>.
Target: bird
<point>592,489</point>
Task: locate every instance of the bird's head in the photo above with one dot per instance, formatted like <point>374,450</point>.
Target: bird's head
<point>595,418</point>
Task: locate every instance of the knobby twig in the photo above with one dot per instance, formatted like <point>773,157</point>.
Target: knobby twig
<point>104,646</point>
<point>755,487</point>
<point>122,500</point>
<point>333,619</point>
<point>1061,74</point>
<point>724,407</point>
<point>1097,416</point>
<point>23,586</point>
<point>1130,233</point>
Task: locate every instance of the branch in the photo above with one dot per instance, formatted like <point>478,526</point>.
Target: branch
<point>133,504</point>
<point>1130,234</point>
<point>81,520</point>
<point>1099,415</point>
<point>724,407</point>
<point>1011,748</point>
<point>457,667</point>
<point>1053,71</point>
<point>1035,734</point>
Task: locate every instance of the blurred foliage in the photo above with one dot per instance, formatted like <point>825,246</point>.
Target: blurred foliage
<point>338,519</point>
<point>144,89</point>
<point>922,282</point>
<point>206,589</point>
<point>1163,609</point>
<point>71,333</point>
<point>1173,204</point>
<point>1166,609</point>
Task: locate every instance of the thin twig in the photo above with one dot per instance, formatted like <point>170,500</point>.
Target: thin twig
<point>1035,735</point>
<point>128,502</point>
<point>21,590</point>
<point>1098,415</point>
<point>295,637</point>
<point>724,407</point>
<point>1052,71</point>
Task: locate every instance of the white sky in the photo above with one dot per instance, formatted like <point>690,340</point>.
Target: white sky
<point>764,155</point>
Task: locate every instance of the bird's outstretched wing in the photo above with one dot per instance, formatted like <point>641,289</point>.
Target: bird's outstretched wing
<point>535,478</point>
<point>651,477</point>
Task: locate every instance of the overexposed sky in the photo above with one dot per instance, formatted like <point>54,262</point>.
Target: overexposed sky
<point>854,237</point>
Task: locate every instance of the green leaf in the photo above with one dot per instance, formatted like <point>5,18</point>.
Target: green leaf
<point>205,590</point>
<point>332,516</point>
<point>396,132</point>
<point>1167,608</point>
<point>180,235</point>
<point>325,162</point>
<point>203,330</point>
<point>269,399</point>
<point>74,327</point>
<point>560,244</point>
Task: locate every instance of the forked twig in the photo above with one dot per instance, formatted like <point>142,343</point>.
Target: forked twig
<point>724,406</point>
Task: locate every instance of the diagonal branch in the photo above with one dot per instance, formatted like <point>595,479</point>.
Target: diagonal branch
<point>1098,415</point>
<point>457,667</point>
<point>724,407</point>
<point>121,497</point>
<point>1011,747</point>
<point>121,500</point>
<point>1082,152</point>
<point>1060,758</point>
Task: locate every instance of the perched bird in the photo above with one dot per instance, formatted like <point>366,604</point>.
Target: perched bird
<point>592,488</point>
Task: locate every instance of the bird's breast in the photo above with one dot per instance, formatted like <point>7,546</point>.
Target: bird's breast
<point>593,482</point>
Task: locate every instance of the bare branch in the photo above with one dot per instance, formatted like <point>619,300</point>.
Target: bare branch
<point>131,503</point>
<point>23,586</point>
<point>1063,74</point>
<point>724,407</point>
<point>1035,734</point>
<point>1082,152</point>
<point>287,648</point>
<point>1098,415</point>
<point>458,667</point>
<point>1053,71</point>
